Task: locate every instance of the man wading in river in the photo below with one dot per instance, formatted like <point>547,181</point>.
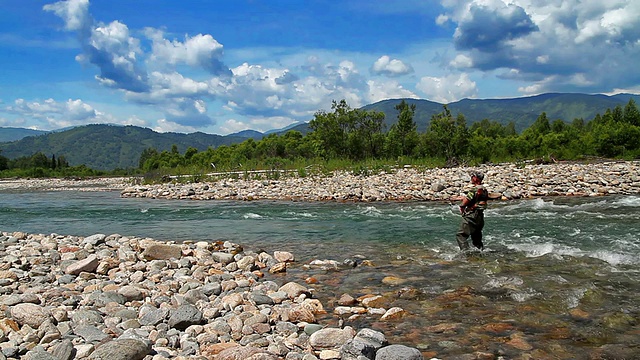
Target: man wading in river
<point>472,210</point>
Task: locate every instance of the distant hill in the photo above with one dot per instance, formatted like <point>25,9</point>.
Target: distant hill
<point>107,147</point>
<point>248,134</point>
<point>522,111</point>
<point>13,134</point>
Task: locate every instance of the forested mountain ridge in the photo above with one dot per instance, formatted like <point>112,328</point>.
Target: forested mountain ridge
<point>106,147</point>
<point>521,111</point>
<point>12,134</point>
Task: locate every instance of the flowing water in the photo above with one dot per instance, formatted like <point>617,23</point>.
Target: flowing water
<point>559,278</point>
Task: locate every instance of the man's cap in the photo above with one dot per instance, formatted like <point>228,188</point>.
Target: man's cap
<point>478,174</point>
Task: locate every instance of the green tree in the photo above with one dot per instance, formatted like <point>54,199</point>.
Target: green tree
<point>447,137</point>
<point>405,128</point>
<point>631,113</point>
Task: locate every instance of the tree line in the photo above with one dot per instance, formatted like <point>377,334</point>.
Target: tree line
<point>356,136</point>
<point>346,137</point>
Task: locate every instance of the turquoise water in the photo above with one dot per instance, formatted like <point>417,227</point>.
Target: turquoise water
<point>562,273</point>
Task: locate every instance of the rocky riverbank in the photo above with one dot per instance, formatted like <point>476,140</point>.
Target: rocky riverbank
<point>114,297</point>
<point>506,181</point>
<point>71,184</point>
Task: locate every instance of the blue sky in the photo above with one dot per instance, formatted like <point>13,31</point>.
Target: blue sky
<point>230,65</point>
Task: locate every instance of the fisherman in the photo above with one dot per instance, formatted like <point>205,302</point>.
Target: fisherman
<point>472,209</point>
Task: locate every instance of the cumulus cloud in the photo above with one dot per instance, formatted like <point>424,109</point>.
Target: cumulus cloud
<point>448,88</point>
<point>54,114</point>
<point>75,13</point>
<point>197,51</point>
<point>379,91</point>
<point>571,45</point>
<point>390,67</point>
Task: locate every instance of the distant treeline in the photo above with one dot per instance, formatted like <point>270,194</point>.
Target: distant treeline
<point>357,136</point>
<point>346,137</point>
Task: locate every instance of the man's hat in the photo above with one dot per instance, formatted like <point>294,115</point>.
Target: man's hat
<point>478,174</point>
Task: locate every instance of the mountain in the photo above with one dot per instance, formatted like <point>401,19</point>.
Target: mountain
<point>13,134</point>
<point>248,134</point>
<point>521,111</point>
<point>107,147</point>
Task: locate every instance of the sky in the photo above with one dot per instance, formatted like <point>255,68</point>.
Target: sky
<point>225,66</point>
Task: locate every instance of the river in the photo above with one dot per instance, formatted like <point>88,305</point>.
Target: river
<point>559,277</point>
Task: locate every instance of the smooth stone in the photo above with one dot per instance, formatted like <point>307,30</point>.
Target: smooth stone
<point>29,314</point>
<point>125,349</point>
<point>398,352</point>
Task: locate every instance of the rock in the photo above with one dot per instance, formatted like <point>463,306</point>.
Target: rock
<point>393,314</point>
<point>245,352</point>
<point>185,316</point>
<point>283,256</point>
<point>293,289</point>
<point>125,349</point>
<point>89,264</point>
<point>64,350</point>
<point>94,239</point>
<point>398,352</point>
<point>90,333</point>
<point>331,338</point>
<point>224,258</point>
<point>29,314</point>
<point>162,252</point>
<point>39,355</point>
<point>278,268</point>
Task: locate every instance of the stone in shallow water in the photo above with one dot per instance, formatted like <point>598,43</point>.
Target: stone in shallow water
<point>397,352</point>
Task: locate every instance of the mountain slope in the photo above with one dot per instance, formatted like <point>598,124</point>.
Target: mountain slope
<point>13,134</point>
<point>108,147</point>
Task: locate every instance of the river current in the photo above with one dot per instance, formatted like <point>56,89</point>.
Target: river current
<point>559,278</point>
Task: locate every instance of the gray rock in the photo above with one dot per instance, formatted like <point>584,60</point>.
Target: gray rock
<point>94,239</point>
<point>398,352</point>
<point>86,317</point>
<point>90,333</point>
<point>64,350</point>
<point>224,258</point>
<point>211,289</point>
<point>154,317</point>
<point>185,316</point>
<point>39,355</point>
<point>122,349</point>
<point>131,293</point>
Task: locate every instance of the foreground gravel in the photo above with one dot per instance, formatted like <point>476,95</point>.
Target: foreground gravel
<point>118,298</point>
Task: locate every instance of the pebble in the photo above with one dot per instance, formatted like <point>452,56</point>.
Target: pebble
<point>128,298</point>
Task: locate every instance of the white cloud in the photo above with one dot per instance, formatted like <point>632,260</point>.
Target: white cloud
<point>556,44</point>
<point>390,67</point>
<point>448,88</point>
<point>197,51</point>
<point>379,91</point>
<point>74,12</point>
<point>164,125</point>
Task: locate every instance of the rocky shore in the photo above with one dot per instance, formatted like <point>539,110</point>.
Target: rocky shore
<point>114,297</point>
<point>505,181</point>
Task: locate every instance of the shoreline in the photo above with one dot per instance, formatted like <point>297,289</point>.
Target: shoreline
<point>504,181</point>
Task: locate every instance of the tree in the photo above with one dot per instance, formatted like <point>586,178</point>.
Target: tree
<point>631,113</point>
<point>405,128</point>
<point>330,129</point>
<point>447,137</point>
